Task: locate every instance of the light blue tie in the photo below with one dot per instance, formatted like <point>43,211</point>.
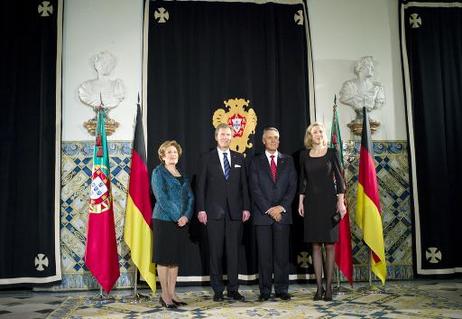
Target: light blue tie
<point>226,165</point>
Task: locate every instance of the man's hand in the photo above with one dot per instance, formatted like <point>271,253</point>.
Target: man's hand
<point>276,212</point>
<point>275,215</point>
<point>182,221</point>
<point>202,216</point>
<point>245,215</point>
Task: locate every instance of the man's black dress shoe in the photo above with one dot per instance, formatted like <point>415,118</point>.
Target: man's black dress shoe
<point>166,305</point>
<point>283,295</point>
<point>264,297</point>
<point>235,295</point>
<point>218,296</point>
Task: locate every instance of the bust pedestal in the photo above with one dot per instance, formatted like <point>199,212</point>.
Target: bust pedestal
<point>110,125</point>
<point>356,126</point>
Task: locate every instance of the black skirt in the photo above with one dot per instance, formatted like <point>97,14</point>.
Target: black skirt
<point>169,242</point>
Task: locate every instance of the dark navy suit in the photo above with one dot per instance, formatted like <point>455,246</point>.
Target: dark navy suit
<point>223,200</point>
<point>272,236</point>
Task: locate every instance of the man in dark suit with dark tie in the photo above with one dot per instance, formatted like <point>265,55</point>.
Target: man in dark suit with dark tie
<point>273,184</point>
<point>223,204</point>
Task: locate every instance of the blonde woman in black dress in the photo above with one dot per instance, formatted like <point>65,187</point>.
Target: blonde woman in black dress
<point>321,189</point>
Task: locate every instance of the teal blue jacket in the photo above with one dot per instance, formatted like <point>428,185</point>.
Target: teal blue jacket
<point>174,199</point>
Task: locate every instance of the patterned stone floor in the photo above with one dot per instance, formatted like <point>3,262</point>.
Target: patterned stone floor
<point>398,299</point>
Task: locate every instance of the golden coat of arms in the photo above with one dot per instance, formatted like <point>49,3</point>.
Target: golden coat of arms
<point>241,118</point>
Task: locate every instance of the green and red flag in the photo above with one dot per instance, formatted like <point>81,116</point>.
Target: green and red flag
<point>101,255</point>
<point>343,251</point>
<point>138,223</point>
<point>368,213</point>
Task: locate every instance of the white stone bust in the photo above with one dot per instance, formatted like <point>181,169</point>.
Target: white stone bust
<point>102,89</point>
<point>363,91</point>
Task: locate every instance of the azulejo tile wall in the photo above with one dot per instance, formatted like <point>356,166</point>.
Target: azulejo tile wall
<point>77,163</point>
<point>392,170</point>
<point>393,178</point>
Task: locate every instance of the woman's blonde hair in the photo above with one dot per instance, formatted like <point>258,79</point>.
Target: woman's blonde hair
<point>167,144</point>
<point>309,139</point>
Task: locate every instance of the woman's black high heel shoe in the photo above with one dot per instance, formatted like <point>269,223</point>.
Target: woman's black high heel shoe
<point>328,295</point>
<point>179,303</point>
<point>319,294</point>
<point>166,305</point>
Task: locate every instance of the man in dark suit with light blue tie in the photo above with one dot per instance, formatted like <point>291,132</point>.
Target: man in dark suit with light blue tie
<point>273,184</point>
<point>223,204</point>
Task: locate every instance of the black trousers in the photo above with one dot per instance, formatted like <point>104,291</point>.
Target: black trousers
<point>273,254</point>
<point>224,235</point>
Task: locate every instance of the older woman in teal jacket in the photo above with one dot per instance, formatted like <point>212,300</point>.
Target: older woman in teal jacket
<point>172,212</point>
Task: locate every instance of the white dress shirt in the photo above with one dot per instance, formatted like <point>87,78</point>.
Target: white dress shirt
<point>220,156</point>
<point>268,156</point>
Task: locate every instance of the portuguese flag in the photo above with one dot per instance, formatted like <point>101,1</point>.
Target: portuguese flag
<point>343,251</point>
<point>138,222</point>
<point>101,249</point>
<point>368,214</point>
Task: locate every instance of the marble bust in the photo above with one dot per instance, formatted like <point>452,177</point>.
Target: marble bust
<point>102,91</point>
<point>363,91</point>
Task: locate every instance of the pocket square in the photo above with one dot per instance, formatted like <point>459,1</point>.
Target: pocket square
<point>237,165</point>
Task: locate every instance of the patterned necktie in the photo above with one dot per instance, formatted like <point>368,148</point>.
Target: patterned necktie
<point>273,168</point>
<point>226,165</point>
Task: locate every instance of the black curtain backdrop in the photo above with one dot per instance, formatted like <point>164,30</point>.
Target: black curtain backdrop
<point>27,142</point>
<point>433,43</point>
<point>207,52</point>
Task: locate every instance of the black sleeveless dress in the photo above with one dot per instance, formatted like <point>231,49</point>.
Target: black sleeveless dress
<point>320,180</point>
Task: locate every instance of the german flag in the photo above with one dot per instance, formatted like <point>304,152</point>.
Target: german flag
<point>138,223</point>
<point>368,214</point>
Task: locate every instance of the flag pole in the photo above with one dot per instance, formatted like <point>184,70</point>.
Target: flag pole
<point>339,289</point>
<point>136,297</point>
<point>371,286</point>
<point>135,286</point>
<point>370,269</point>
<point>101,297</point>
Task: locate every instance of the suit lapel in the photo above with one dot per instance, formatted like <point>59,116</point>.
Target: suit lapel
<point>266,166</point>
<point>281,165</point>
<point>216,162</point>
<point>233,162</point>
